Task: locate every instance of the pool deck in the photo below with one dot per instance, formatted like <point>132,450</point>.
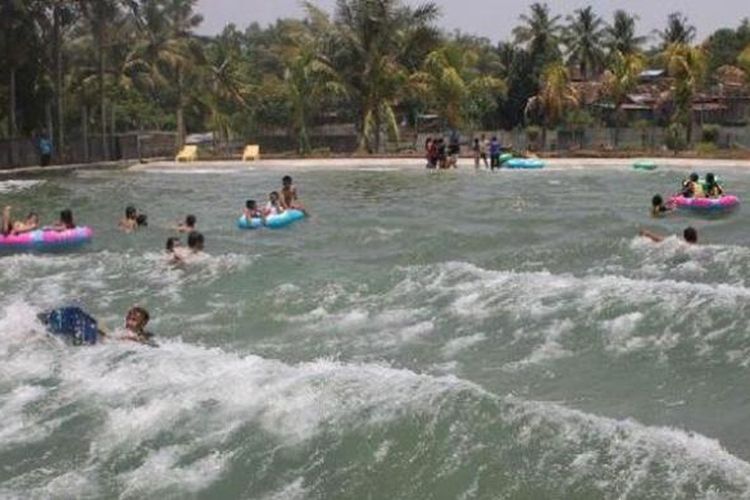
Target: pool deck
<point>466,164</point>
<point>312,164</point>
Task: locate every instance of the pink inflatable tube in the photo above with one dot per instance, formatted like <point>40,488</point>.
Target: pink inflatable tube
<point>45,238</point>
<point>723,204</point>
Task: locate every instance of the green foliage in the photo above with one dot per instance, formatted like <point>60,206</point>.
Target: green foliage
<point>706,148</point>
<point>710,134</point>
<point>675,138</point>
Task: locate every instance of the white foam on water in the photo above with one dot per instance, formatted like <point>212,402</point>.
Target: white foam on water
<point>15,186</point>
<point>293,491</point>
<point>176,410</point>
<point>456,346</point>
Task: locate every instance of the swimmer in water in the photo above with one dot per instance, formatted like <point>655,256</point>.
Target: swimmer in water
<point>129,223</point>
<point>66,222</point>
<point>251,211</point>
<point>188,226</point>
<point>689,234</point>
<point>75,324</point>
<point>8,227</point>
<point>659,208</point>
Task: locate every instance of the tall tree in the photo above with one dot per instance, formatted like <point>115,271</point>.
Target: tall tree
<point>451,83</point>
<point>620,79</point>
<point>540,34</point>
<point>678,30</point>
<point>555,98</point>
<point>377,44</point>
<point>584,40</point>
<point>621,35</point>
<point>168,50</point>
<point>687,65</point>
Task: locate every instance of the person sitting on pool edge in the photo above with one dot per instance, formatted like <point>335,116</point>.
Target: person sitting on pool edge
<point>712,188</point>
<point>658,207</point>
<point>274,206</point>
<point>8,227</point>
<point>689,234</point>
<point>188,226</point>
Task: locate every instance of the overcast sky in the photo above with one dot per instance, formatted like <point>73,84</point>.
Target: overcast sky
<point>492,18</point>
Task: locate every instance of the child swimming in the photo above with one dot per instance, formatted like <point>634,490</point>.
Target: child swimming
<point>129,223</point>
<point>189,225</point>
<point>658,207</point>
<point>690,235</point>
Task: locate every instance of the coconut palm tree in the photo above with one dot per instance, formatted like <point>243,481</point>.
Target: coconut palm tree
<point>376,44</point>
<point>584,39</point>
<point>540,34</point>
<point>621,37</point>
<point>451,84</point>
<point>621,78</point>
<point>678,30</point>
<point>168,51</point>
<point>744,61</point>
<point>687,65</point>
<point>554,99</point>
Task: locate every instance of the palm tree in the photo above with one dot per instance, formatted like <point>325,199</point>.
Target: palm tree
<point>687,65</point>
<point>453,86</point>
<point>744,62</point>
<point>678,30</point>
<point>376,45</point>
<point>620,79</point>
<point>554,99</point>
<point>99,15</point>
<point>584,38</point>
<point>540,34</point>
<point>621,37</point>
<point>167,51</point>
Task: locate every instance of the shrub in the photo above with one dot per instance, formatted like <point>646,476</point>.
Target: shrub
<point>710,133</point>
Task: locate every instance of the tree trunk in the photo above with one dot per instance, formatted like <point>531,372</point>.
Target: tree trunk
<point>103,99</point>
<point>85,131</point>
<point>378,126</point>
<point>50,122</point>
<point>180,113</point>
<point>12,125</point>
<point>113,133</point>
<point>59,85</point>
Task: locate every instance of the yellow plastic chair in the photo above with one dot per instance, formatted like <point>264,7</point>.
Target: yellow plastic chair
<point>188,153</point>
<point>251,153</point>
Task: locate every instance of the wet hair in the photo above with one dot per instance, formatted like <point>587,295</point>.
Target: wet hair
<point>690,235</point>
<point>66,217</point>
<point>657,201</point>
<point>195,239</point>
<point>494,138</point>
<point>130,212</point>
<point>710,178</point>
<point>142,312</point>
<point>190,221</point>
<point>274,194</point>
<point>142,220</point>
<point>171,243</point>
<point>251,204</point>
<point>286,179</point>
<point>32,214</point>
<point>694,177</point>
